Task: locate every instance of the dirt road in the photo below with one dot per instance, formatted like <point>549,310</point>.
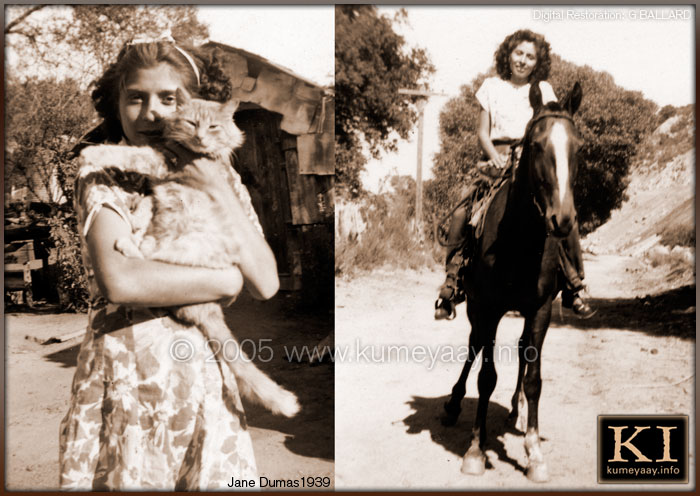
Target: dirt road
<point>38,379</point>
<point>635,357</point>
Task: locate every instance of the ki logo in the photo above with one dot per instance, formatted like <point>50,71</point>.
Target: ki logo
<point>638,449</point>
<point>619,444</point>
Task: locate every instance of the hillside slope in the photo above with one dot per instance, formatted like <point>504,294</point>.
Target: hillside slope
<point>661,199</point>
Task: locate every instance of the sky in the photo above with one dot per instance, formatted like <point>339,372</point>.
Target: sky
<point>653,55</point>
<point>300,38</point>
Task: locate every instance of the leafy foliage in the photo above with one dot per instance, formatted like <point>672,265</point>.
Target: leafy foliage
<point>71,278</point>
<point>389,240</point>
<point>86,38</point>
<point>612,121</point>
<point>371,64</point>
<point>677,234</point>
<point>675,136</point>
<point>43,120</point>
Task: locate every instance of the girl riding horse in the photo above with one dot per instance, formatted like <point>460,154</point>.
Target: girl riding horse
<point>522,59</point>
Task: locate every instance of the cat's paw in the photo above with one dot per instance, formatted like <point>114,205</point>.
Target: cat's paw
<point>128,248</point>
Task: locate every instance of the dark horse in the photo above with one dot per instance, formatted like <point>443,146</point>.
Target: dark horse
<point>515,268</point>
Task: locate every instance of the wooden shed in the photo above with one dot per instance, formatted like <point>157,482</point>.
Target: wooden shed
<point>287,163</point>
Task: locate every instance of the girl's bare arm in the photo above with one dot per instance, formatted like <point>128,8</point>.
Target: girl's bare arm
<point>140,282</point>
<point>485,140</point>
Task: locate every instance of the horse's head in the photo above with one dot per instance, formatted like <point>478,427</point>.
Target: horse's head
<point>551,144</point>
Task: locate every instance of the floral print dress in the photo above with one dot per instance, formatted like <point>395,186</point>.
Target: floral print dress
<point>150,408</point>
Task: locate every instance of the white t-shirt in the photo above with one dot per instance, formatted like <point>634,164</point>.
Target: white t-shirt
<point>508,106</point>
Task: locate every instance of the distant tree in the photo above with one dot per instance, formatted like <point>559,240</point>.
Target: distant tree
<point>612,121</point>
<point>371,63</point>
<point>43,120</point>
<point>665,112</point>
<point>85,38</point>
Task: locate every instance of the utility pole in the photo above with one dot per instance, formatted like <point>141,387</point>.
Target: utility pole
<point>420,103</point>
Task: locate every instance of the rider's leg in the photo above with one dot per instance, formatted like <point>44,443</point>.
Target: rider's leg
<point>444,306</point>
<point>571,264</point>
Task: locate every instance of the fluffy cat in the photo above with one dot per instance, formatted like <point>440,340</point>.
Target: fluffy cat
<point>183,223</point>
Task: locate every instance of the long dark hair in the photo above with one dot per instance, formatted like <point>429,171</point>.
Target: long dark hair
<point>542,48</point>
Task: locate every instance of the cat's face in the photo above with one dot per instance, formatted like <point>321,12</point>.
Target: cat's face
<point>204,126</point>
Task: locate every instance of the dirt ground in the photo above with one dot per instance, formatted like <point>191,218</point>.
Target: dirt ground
<point>38,379</point>
<point>636,356</point>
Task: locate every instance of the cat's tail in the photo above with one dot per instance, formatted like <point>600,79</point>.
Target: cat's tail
<point>253,383</point>
<point>256,386</point>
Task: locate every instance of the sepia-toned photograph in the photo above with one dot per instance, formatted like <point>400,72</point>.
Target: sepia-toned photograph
<point>349,248</point>
<point>515,247</point>
<point>169,247</point>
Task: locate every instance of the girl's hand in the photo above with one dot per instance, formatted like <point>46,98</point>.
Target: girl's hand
<point>499,160</point>
<point>231,283</point>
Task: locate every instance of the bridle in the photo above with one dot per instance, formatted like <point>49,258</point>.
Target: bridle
<point>545,115</point>
<point>527,137</point>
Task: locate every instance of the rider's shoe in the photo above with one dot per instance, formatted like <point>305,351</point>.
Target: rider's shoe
<point>582,309</point>
<point>577,304</point>
<point>444,309</point>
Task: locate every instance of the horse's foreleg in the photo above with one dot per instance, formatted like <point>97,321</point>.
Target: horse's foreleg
<point>474,461</point>
<point>532,385</point>
<point>518,401</point>
<point>452,407</point>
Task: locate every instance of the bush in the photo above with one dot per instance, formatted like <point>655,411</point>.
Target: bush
<point>678,235</point>
<point>390,237</point>
<point>72,282</point>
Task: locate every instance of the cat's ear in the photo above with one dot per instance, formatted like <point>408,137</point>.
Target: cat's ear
<point>182,97</point>
<point>230,107</point>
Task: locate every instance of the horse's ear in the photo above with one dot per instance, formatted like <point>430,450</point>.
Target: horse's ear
<point>535,96</point>
<point>573,99</point>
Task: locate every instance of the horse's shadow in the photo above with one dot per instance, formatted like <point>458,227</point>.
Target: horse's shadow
<point>429,415</point>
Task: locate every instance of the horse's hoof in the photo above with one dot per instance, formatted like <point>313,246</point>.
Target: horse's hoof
<point>537,472</point>
<point>448,420</point>
<point>452,411</point>
<point>474,462</point>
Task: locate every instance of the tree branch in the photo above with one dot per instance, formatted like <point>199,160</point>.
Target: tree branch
<point>8,28</point>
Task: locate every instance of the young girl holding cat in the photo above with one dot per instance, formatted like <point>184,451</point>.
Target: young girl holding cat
<point>149,406</point>
<point>522,59</point>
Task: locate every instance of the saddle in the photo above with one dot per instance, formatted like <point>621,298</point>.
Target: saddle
<point>487,180</point>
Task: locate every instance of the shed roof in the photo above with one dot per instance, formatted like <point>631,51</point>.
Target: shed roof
<point>257,59</point>
<point>307,109</point>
